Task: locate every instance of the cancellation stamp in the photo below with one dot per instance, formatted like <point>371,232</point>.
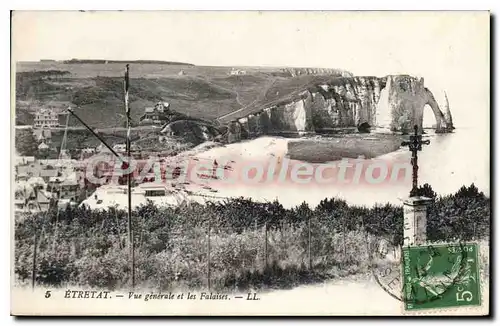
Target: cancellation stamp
<point>441,276</point>
<point>388,269</point>
<point>161,181</point>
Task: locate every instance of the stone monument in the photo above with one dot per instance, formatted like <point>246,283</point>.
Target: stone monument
<point>415,207</point>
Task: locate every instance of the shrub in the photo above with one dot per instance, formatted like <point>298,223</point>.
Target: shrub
<point>89,248</point>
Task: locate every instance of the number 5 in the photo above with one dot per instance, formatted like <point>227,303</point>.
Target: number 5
<point>461,296</point>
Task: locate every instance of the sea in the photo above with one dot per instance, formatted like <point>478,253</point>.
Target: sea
<point>450,161</point>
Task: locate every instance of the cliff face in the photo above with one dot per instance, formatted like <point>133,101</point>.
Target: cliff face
<point>447,113</point>
<point>346,104</point>
<point>402,105</point>
<point>394,103</point>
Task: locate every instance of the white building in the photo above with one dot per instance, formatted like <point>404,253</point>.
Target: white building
<point>116,196</point>
<point>46,118</point>
<point>157,114</point>
<point>237,72</point>
<point>120,148</point>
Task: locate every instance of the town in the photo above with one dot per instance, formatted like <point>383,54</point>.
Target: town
<point>56,177</point>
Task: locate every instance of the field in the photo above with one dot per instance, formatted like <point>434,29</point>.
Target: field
<point>95,91</point>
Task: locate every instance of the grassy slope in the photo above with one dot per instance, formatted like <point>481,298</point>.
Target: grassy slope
<point>96,90</point>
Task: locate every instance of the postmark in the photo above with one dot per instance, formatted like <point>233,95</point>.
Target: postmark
<point>441,276</point>
<point>388,269</point>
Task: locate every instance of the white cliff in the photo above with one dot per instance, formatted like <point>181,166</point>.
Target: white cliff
<point>392,103</point>
<point>446,111</point>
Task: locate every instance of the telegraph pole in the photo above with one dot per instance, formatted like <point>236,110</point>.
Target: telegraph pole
<point>129,183</point>
<point>129,176</point>
<point>208,252</point>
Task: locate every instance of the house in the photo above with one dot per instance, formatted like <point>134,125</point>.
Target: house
<point>152,189</point>
<point>157,114</point>
<point>120,148</point>
<point>46,118</point>
<point>65,187</point>
<point>43,148</point>
<point>24,195</point>
<point>69,189</point>
<point>87,152</point>
<point>116,196</point>
<point>237,72</point>
<point>30,199</point>
<point>36,169</point>
<point>46,174</point>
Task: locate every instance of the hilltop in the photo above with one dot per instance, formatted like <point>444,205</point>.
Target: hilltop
<point>95,89</point>
<point>102,61</point>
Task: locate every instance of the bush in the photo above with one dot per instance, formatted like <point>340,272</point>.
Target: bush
<point>26,143</point>
<point>172,243</point>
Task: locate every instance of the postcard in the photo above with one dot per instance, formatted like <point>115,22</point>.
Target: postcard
<point>256,163</point>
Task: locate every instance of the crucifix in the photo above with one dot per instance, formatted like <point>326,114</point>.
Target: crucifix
<point>415,145</point>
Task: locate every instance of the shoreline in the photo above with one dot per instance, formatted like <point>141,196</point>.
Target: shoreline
<point>331,147</point>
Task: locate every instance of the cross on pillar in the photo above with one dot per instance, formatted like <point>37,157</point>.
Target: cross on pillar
<point>415,145</point>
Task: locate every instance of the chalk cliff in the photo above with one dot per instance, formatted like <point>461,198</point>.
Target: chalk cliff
<point>446,111</point>
<point>394,103</point>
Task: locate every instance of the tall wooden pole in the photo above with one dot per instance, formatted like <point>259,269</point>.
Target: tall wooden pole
<point>129,183</point>
<point>309,240</point>
<point>344,230</point>
<point>118,228</point>
<point>33,268</point>
<point>208,253</point>
<point>265,236</point>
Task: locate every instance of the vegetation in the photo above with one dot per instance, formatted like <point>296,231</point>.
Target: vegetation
<point>38,85</point>
<point>88,248</point>
<point>101,61</point>
<point>26,143</point>
<point>96,89</point>
<point>99,100</point>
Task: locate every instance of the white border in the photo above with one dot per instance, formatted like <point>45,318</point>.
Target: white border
<point>189,5</point>
<point>254,5</point>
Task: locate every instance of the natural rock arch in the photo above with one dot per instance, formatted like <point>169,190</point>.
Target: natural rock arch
<point>438,114</point>
<point>402,102</point>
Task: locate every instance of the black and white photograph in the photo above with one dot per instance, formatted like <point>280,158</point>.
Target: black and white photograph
<point>250,163</point>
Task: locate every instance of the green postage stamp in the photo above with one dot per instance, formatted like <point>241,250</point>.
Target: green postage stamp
<point>441,276</point>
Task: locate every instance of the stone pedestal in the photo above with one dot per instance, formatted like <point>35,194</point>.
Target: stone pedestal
<point>415,221</point>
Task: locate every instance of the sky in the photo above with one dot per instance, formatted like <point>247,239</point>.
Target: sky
<point>449,49</point>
